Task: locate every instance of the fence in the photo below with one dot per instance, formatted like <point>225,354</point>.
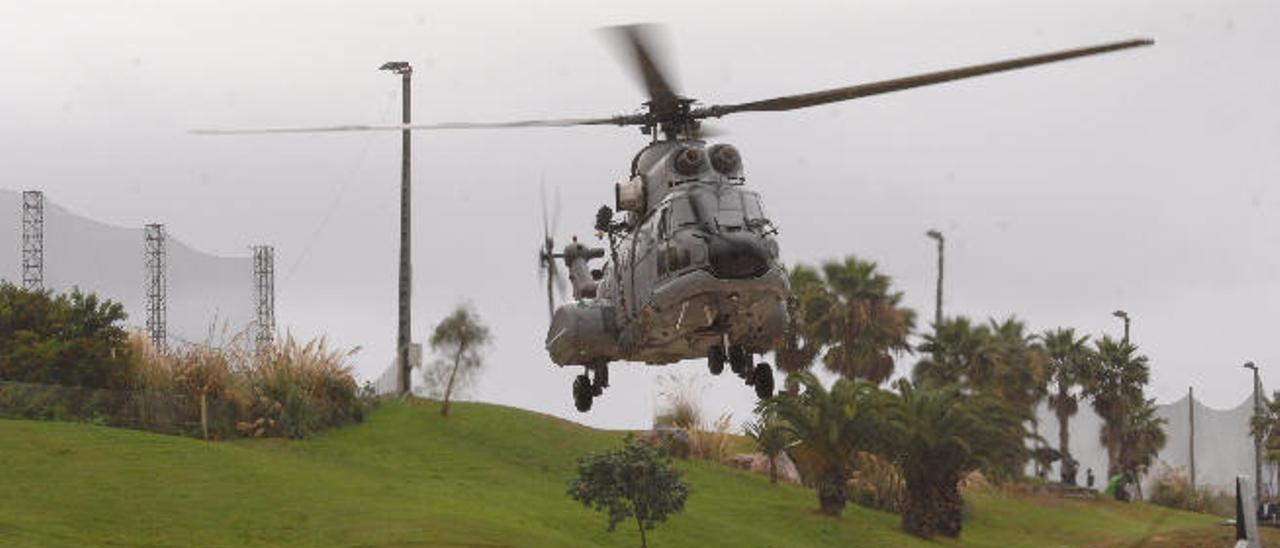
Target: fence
<point>160,412</point>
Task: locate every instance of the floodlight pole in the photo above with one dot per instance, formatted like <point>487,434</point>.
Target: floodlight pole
<point>1191,450</point>
<point>1257,437</point>
<point>406,266</point>
<point>937,311</point>
<point>1124,316</point>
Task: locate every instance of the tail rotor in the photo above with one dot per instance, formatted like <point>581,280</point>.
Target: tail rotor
<point>548,271</point>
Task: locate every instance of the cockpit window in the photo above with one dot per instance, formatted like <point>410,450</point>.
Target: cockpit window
<point>729,209</point>
<point>730,215</point>
<point>754,209</point>
<point>682,213</point>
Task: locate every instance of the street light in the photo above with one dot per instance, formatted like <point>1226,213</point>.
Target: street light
<point>1124,316</point>
<point>1257,437</point>
<point>937,312</point>
<point>406,266</point>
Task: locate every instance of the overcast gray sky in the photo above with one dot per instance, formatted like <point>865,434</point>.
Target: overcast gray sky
<point>1136,180</point>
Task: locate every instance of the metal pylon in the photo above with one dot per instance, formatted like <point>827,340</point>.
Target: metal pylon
<point>33,240</point>
<point>157,286</point>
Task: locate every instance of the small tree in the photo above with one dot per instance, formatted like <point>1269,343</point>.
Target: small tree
<point>939,434</point>
<point>771,438</point>
<point>457,342</point>
<point>636,481</point>
<point>829,427</point>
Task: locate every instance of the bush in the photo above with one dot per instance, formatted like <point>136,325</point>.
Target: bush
<point>679,408</point>
<point>877,483</point>
<point>1172,488</point>
<point>73,339</point>
<point>299,389</point>
<point>288,389</point>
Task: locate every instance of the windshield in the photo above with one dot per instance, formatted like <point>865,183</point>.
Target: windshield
<point>730,209</point>
<point>730,215</point>
<point>682,213</point>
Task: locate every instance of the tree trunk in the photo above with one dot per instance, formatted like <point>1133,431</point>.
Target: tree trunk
<point>933,507</point>
<point>1064,444</point>
<point>773,469</point>
<point>644,543</point>
<point>448,388</point>
<point>833,492</point>
<point>1113,458</point>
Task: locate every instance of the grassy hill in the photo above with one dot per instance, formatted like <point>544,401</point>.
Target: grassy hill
<point>487,476</point>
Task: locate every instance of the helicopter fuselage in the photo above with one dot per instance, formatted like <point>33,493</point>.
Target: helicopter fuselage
<point>692,264</point>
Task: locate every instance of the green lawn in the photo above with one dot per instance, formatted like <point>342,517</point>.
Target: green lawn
<point>487,476</point>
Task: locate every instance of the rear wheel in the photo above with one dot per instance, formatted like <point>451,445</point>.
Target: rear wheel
<point>582,393</point>
<point>763,376</point>
<point>715,359</point>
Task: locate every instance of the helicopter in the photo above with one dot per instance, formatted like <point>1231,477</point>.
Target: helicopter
<point>691,265</point>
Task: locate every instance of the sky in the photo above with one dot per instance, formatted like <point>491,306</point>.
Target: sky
<point>1137,180</point>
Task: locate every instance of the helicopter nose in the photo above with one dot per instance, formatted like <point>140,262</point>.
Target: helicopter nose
<point>737,256</point>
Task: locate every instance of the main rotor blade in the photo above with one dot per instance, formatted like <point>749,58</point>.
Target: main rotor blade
<point>563,122</point>
<point>804,100</point>
<point>638,40</point>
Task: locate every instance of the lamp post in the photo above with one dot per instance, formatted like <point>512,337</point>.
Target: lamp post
<point>406,266</point>
<point>1257,439</point>
<point>1124,316</point>
<point>937,312</point>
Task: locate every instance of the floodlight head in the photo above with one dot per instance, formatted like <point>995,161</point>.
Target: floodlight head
<point>1249,365</point>
<point>398,67</point>
<point>1120,314</point>
<point>932,233</point>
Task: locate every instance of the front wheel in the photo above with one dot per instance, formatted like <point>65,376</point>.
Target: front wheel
<point>763,376</point>
<point>715,359</point>
<point>582,393</point>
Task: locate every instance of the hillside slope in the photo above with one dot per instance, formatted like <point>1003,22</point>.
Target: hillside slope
<point>487,476</point>
<point>204,291</point>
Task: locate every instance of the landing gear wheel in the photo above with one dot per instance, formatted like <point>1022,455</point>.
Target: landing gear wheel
<point>582,393</point>
<point>739,360</point>
<point>715,359</point>
<point>763,377</point>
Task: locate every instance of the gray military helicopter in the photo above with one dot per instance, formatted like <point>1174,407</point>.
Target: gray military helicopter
<point>691,268</point>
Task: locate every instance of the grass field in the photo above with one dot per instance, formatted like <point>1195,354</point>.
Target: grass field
<point>486,476</point>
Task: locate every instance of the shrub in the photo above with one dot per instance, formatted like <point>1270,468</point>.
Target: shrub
<point>1173,489</point>
<point>72,339</point>
<point>286,389</point>
<point>877,483</point>
<point>299,389</point>
<point>679,408</point>
<point>633,482</point>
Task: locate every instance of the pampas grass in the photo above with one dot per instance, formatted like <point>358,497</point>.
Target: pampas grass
<point>680,407</point>
<point>288,388</point>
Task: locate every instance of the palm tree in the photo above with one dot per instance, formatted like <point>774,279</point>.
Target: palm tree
<point>1143,439</point>
<point>771,438</point>
<point>1019,372</point>
<point>997,358</point>
<point>1114,383</point>
<point>867,324</point>
<point>952,352</point>
<point>1069,358</point>
<point>828,429</point>
<point>938,434</point>
<point>807,307</point>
